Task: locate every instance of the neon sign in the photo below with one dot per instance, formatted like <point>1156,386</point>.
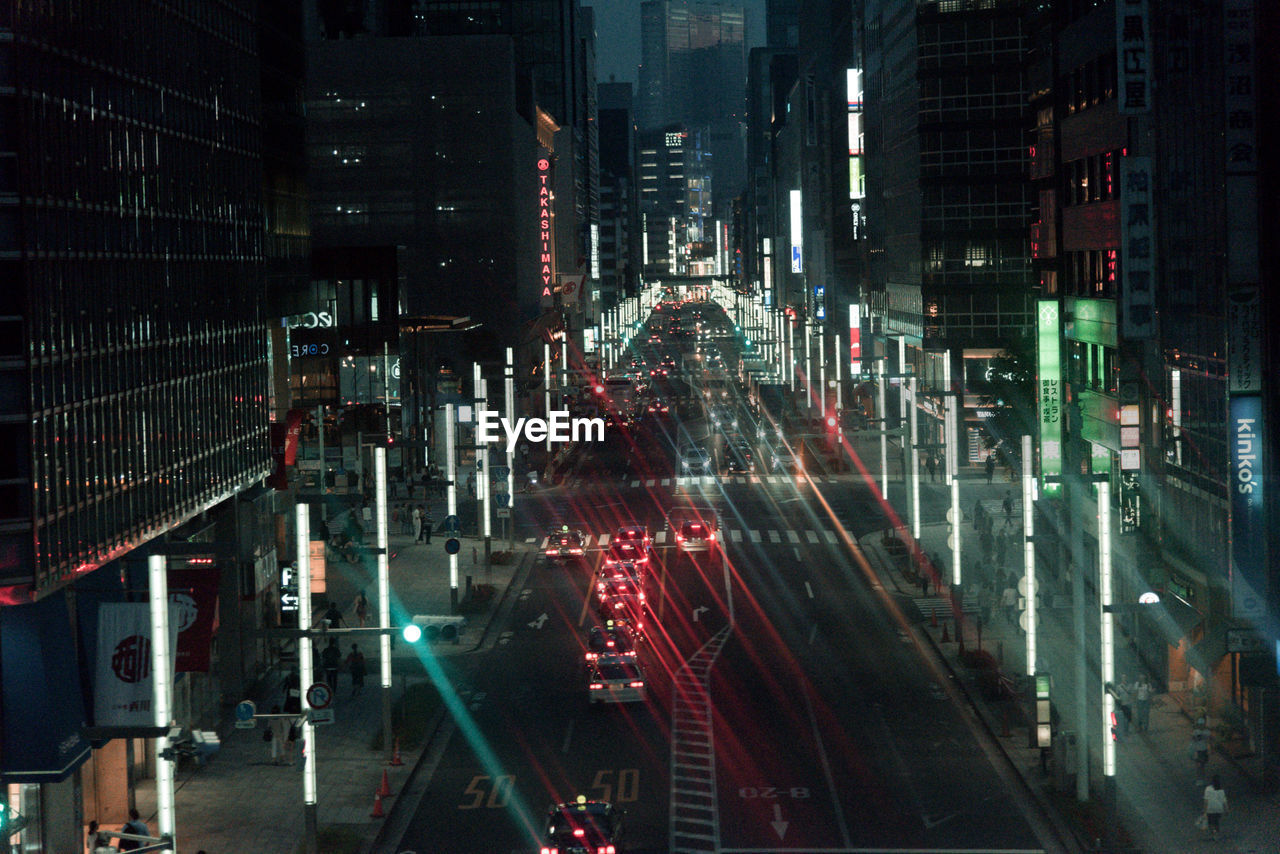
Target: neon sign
<point>544,224</point>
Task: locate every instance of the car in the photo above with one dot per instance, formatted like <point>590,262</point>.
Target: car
<point>582,827</point>
<point>695,460</point>
<point>565,543</point>
<point>614,637</point>
<point>738,460</point>
<point>668,362</point>
<point>615,679</point>
<point>634,533</point>
<point>722,417</point>
<point>632,607</point>
<point>695,535</point>
<point>621,580</point>
<point>630,556</point>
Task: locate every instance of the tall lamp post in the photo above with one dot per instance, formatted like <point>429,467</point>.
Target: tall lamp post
<point>306,675</point>
<point>509,403</point>
<point>1029,549</point>
<point>881,370</point>
<point>1107,649</point>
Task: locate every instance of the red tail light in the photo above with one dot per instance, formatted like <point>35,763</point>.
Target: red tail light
<point>711,537</point>
<point>551,552</point>
<point>637,684</point>
<point>579,832</point>
<point>596,686</point>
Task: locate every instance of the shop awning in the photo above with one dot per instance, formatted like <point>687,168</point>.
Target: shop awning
<point>1205,655</point>
<point>42,707</point>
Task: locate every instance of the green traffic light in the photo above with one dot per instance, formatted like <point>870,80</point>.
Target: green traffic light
<point>412,633</point>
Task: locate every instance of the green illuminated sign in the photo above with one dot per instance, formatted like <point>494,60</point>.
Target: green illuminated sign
<point>1049,395</point>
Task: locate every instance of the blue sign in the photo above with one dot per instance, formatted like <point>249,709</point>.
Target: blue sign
<point>245,710</point>
<point>501,499</point>
<point>452,546</point>
<point>499,472</point>
<point>452,525</point>
<point>1248,526</point>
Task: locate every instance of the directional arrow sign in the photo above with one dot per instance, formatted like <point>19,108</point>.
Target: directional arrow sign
<point>539,623</point>
<point>698,611</point>
<point>779,826</point>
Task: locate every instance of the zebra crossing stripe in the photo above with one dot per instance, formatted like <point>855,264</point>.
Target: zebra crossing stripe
<point>735,535</point>
<point>530,540</point>
<point>774,538</point>
<point>660,537</point>
<point>793,537</point>
<point>811,536</point>
<point>650,482</point>
<point>634,484</point>
<point>755,536</point>
<point>666,481</point>
<point>545,540</point>
<point>831,537</point>
<point>604,540</point>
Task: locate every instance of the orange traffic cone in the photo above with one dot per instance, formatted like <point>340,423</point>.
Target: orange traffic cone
<point>385,789</point>
<point>946,636</point>
<point>377,806</point>
<point>395,757</point>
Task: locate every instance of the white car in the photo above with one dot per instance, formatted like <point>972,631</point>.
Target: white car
<point>615,679</point>
<point>695,536</point>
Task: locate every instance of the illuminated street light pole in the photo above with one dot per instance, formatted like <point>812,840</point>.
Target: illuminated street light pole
<point>791,354</point>
<point>1107,651</point>
<point>915,463</point>
<point>306,675</point>
<point>509,404</point>
<point>953,468</point>
<point>451,475</point>
<point>881,366</point>
<point>384,590</point>
<point>162,690</point>
<point>546,388</point>
<point>822,374</point>
<point>1029,549</point>
<point>808,368</point>
<point>839,405</point>
<point>483,492</point>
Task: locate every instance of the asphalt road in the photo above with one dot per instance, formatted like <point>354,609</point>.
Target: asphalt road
<point>791,706</point>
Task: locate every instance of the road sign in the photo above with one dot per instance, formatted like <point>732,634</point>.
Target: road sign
<point>504,512</point>
<point>499,472</point>
<point>452,525</point>
<point>501,499</point>
<point>319,695</point>
<point>1245,640</point>
<point>452,546</point>
<point>249,724</point>
<point>321,716</point>
<point>245,710</point>
<point>1022,585</point>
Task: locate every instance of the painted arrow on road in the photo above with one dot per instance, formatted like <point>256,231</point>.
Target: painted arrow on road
<point>698,610</point>
<point>538,623</point>
<point>779,826</point>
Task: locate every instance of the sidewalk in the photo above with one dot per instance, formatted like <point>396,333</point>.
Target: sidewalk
<point>241,803</point>
<point>1158,797</point>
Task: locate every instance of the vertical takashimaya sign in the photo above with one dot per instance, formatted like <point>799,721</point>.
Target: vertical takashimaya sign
<point>1049,363</point>
<point>1249,573</point>
<point>1137,249</point>
<point>1133,39</point>
<point>546,266</point>
<point>797,233</point>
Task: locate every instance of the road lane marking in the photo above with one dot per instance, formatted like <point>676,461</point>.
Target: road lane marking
<point>661,537</point>
<point>811,536</point>
<point>568,737</point>
<point>735,535</point>
<point>792,536</point>
<point>774,538</point>
<point>831,536</point>
<point>808,589</point>
<point>755,536</point>
<point>634,484</point>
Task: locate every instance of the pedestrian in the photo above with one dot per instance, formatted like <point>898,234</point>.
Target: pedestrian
<point>1199,748</point>
<point>1124,708</point>
<point>1008,504</point>
<point>279,729</point>
<point>427,524</point>
<point>924,581</point>
<point>101,843</point>
<point>333,616</point>
<point>1215,805</point>
<point>417,523</point>
<point>1009,601</point>
<point>366,515</point>
<point>136,826</point>
<point>932,463</point>
<point>91,837</point>
<point>991,466</point>
<point>361,607</point>
<point>1142,702</point>
<point>332,660</point>
<point>355,666</point>
<point>292,687</point>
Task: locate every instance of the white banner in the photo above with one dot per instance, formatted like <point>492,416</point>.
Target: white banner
<point>122,684</point>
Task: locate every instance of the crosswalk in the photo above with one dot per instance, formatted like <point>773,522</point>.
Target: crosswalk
<point>791,536</point>
<point>697,480</point>
<point>941,606</point>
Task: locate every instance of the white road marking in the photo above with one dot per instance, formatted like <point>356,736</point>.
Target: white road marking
<point>808,589</point>
<point>755,536</point>
<point>735,535</point>
<point>774,538</point>
<point>568,736</point>
<point>661,537</point>
<point>811,536</point>
<point>634,484</point>
<point>831,536</point>
<point>792,536</point>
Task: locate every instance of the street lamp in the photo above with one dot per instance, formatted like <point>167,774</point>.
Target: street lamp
<point>1029,550</point>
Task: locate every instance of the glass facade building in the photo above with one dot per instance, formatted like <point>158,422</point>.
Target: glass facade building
<point>134,364</point>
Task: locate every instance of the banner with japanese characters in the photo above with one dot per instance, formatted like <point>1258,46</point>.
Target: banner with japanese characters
<point>122,685</point>
<point>1133,42</point>
<point>1137,250</point>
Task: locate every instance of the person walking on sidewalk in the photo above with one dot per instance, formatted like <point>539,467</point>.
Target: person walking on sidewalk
<point>279,729</point>
<point>417,523</point>
<point>355,666</point>
<point>361,607</point>
<point>1199,748</point>
<point>1142,702</point>
<point>332,659</point>
<point>932,463</point>
<point>1009,601</point>
<point>924,581</point>
<point>136,826</point>
<point>427,524</point>
<point>991,466</point>
<point>1008,504</point>
<point>1215,805</point>
<point>1124,709</point>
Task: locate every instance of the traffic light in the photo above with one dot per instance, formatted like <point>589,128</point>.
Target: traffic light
<point>831,423</point>
<point>411,633</point>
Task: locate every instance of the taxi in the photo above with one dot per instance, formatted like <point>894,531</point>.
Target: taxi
<point>615,679</point>
<point>614,638</point>
<point>564,543</point>
<point>582,827</point>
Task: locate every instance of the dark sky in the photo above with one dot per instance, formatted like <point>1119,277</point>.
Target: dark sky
<point>618,35</point>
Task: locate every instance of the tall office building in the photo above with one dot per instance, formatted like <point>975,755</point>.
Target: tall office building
<point>693,72</point>
<point>677,235</point>
<point>134,361</point>
<point>619,205</point>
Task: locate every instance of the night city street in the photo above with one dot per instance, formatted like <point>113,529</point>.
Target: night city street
<point>645,426</point>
